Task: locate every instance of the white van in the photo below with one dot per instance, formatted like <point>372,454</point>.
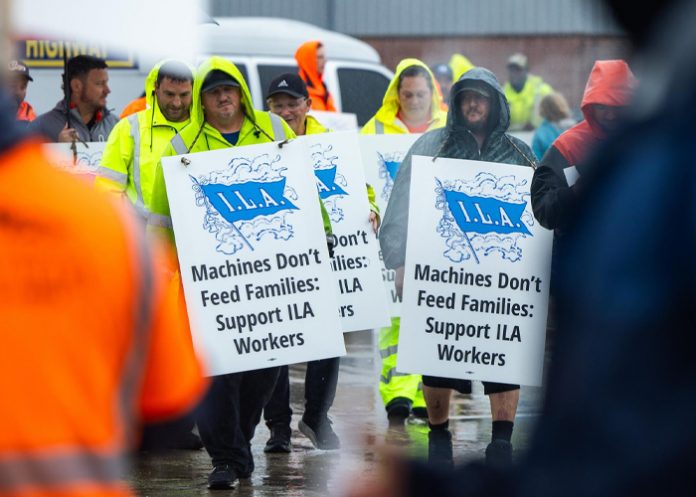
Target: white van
<point>262,48</point>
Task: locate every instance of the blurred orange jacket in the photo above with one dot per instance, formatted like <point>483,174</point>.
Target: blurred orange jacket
<point>134,106</point>
<point>306,57</point>
<point>92,343</point>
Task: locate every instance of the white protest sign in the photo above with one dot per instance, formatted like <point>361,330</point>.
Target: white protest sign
<point>337,121</point>
<point>477,274</point>
<point>382,156</point>
<point>253,257</point>
<point>84,163</point>
<point>356,263</point>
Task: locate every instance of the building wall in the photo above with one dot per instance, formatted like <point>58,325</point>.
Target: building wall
<point>562,61</point>
<point>433,17</point>
<point>470,17</point>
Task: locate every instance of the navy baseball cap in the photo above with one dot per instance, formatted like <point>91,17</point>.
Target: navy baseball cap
<point>218,78</point>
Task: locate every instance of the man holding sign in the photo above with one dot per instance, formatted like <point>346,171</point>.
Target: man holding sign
<point>478,119</point>
<point>288,97</point>
<point>223,116</point>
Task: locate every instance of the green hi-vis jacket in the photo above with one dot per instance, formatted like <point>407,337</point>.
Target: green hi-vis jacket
<point>199,136</point>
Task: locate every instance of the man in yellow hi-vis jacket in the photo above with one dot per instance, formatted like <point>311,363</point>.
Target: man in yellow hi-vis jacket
<point>289,98</point>
<point>223,116</point>
<point>137,142</point>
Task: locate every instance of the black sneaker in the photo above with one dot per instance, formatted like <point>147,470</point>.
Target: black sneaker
<point>499,454</point>
<point>279,442</point>
<point>440,448</point>
<point>222,477</point>
<point>398,410</point>
<point>322,436</point>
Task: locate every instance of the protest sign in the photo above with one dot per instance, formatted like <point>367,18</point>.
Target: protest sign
<point>85,163</point>
<point>340,178</point>
<point>477,274</point>
<point>382,156</point>
<point>253,257</point>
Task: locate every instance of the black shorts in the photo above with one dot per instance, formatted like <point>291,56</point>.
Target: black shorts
<point>464,386</point>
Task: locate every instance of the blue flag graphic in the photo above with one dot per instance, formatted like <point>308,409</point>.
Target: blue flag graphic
<point>244,201</point>
<point>326,183</point>
<point>392,168</point>
<point>486,215</point>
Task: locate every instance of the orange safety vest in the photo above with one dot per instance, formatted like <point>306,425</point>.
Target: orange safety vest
<point>91,345</point>
<point>25,112</point>
<point>306,57</point>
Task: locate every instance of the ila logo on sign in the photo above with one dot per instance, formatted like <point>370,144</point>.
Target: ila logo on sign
<point>246,202</point>
<point>483,217</point>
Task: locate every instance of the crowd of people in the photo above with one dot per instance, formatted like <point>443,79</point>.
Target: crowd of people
<point>462,112</point>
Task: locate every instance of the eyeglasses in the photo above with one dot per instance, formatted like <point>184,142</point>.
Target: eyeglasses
<point>291,105</point>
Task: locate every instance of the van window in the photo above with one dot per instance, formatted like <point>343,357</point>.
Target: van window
<point>362,92</point>
<point>243,69</point>
<point>268,73</point>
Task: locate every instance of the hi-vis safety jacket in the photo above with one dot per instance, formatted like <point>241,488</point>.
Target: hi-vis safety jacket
<point>90,342</point>
<point>385,120</point>
<point>524,105</point>
<point>200,136</point>
<point>133,149</point>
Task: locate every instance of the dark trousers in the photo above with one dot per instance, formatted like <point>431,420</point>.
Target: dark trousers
<point>321,379</point>
<point>229,415</point>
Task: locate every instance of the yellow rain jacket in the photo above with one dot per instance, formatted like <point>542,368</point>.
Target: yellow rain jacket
<point>459,65</point>
<point>134,148</point>
<point>200,136</point>
<point>385,120</point>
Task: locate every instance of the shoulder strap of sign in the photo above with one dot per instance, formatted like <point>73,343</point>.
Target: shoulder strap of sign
<point>379,127</point>
<point>532,163</point>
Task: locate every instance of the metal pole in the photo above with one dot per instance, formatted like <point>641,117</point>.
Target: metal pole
<point>5,47</point>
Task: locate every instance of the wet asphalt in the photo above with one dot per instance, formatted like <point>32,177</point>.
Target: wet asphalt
<point>359,420</point>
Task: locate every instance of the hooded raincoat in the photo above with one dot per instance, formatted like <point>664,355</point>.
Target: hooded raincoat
<point>454,141</point>
<point>200,136</point>
<point>306,57</point>
<point>134,148</point>
<point>385,121</point>
<point>611,83</point>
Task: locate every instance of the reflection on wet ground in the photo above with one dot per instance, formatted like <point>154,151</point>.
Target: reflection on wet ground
<point>360,421</point>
